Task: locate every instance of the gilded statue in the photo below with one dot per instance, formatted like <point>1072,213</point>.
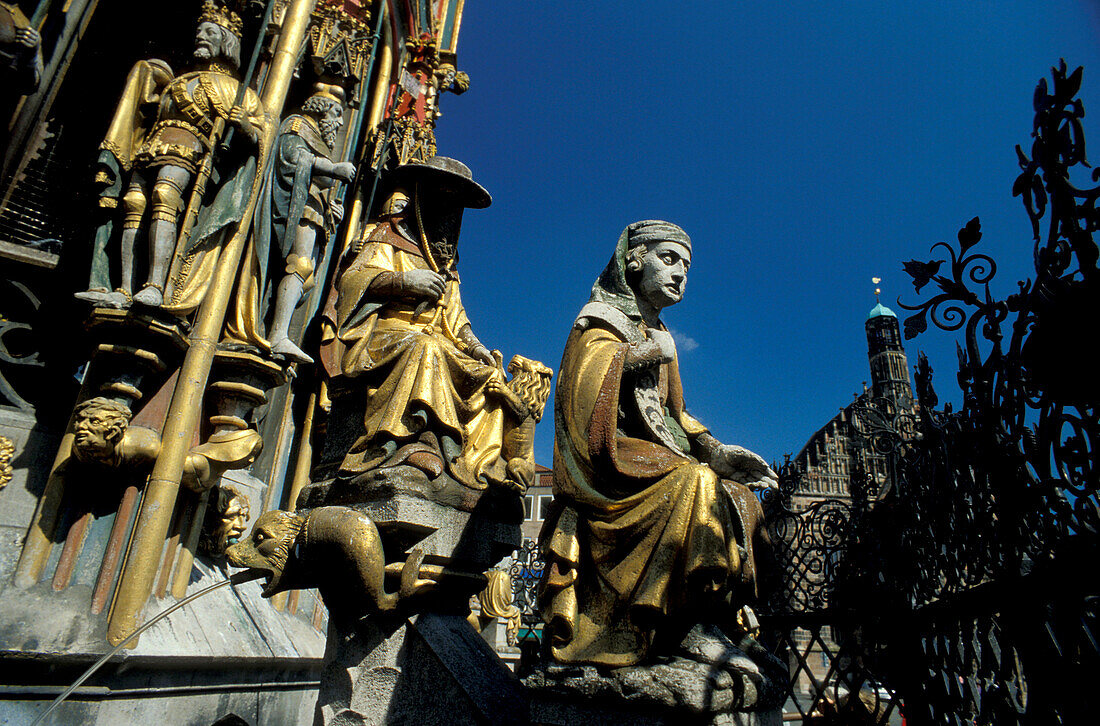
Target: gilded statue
<point>654,532</point>
<point>524,398</point>
<point>20,52</point>
<point>226,520</point>
<point>497,601</point>
<point>103,436</point>
<point>294,219</point>
<point>156,156</point>
<point>437,400</point>
<point>335,549</point>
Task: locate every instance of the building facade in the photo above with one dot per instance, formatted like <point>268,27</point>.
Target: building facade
<point>844,451</point>
<point>830,457</point>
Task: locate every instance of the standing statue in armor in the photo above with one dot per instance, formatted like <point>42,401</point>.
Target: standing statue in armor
<point>162,134</point>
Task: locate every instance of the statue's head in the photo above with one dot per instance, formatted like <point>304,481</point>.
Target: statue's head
<point>658,256</point>
<point>441,189</point>
<point>531,382</point>
<point>218,36</point>
<point>98,426</point>
<point>226,520</point>
<point>268,547</point>
<point>396,202</point>
<point>326,106</point>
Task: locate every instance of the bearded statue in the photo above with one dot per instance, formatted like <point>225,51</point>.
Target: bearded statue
<point>296,218</point>
<point>156,154</point>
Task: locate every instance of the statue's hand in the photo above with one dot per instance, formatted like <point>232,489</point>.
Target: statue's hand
<point>665,344</point>
<point>480,353</point>
<point>344,171</point>
<point>424,284</point>
<point>744,467</point>
<point>237,117</point>
<point>337,209</point>
<point>28,37</point>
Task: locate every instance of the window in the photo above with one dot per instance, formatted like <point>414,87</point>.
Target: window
<point>544,505</point>
<point>529,507</point>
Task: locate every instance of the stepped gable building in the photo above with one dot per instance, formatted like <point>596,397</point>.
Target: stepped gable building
<point>828,457</point>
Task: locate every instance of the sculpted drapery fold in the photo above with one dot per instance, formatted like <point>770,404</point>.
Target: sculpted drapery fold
<point>219,213</point>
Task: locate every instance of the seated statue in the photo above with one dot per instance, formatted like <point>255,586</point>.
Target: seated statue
<point>436,399</point>
<point>653,535</point>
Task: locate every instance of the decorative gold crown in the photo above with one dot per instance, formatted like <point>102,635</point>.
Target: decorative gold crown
<point>329,91</point>
<point>220,14</point>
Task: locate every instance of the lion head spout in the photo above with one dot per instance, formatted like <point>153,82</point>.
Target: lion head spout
<point>268,547</point>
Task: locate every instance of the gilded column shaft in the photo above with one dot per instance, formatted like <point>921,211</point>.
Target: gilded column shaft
<point>186,406</point>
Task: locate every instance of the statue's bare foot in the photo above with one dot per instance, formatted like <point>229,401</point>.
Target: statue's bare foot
<point>149,296</point>
<point>287,349</point>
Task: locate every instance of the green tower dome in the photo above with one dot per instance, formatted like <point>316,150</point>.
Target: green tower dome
<point>880,310</point>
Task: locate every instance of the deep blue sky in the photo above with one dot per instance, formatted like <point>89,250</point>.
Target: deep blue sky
<point>805,147</point>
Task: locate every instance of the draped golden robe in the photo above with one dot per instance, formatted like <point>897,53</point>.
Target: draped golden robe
<point>637,528</point>
<point>417,375</point>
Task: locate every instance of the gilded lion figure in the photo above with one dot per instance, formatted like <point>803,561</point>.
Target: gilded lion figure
<point>525,398</point>
<point>335,549</point>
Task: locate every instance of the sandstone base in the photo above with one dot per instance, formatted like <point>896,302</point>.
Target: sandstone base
<point>426,669</point>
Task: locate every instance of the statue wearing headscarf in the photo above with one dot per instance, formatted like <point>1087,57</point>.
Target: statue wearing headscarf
<point>654,525</point>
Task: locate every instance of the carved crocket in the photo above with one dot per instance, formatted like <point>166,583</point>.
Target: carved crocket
<point>335,549</point>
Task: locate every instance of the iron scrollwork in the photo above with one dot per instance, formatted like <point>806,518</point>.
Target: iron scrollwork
<point>997,505</point>
<point>526,571</point>
<point>958,583</point>
<point>18,351</point>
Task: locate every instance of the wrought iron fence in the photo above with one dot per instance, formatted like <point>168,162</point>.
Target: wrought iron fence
<point>965,586</point>
<point>996,511</point>
<point>526,571</point>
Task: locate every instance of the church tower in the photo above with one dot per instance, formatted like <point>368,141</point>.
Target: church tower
<point>889,366</point>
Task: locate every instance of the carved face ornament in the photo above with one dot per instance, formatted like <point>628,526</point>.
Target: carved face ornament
<point>234,520</point>
<point>95,434</point>
<point>664,269</point>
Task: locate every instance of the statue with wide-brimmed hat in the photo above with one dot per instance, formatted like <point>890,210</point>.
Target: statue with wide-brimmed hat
<point>438,402</point>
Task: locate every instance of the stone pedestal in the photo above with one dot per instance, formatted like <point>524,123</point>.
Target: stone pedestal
<point>707,681</point>
<point>495,633</point>
<point>548,711</point>
<point>425,669</point>
<point>459,539</point>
